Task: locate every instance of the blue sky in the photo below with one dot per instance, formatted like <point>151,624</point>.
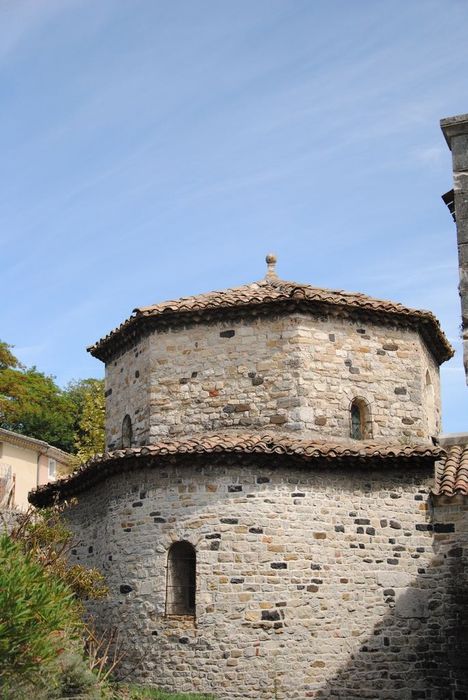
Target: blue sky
<point>153,149</point>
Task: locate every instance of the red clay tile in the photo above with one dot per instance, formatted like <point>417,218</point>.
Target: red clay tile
<point>271,295</point>
<point>283,446</point>
<point>453,472</point>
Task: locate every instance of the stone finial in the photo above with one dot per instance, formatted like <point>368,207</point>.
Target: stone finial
<point>271,262</point>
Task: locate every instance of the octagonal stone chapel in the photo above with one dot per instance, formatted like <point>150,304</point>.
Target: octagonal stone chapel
<point>274,514</point>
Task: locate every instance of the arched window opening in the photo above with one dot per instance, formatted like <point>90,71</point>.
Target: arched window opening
<point>356,422</point>
<point>360,420</point>
<point>127,432</point>
<point>181,579</point>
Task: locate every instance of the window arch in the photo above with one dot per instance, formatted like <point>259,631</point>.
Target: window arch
<point>181,579</point>
<point>360,420</point>
<point>127,431</point>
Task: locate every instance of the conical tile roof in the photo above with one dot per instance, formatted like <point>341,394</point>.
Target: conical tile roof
<point>270,295</point>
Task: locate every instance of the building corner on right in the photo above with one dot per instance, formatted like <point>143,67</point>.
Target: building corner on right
<point>455,130</point>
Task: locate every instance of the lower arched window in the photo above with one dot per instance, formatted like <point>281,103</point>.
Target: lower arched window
<point>360,421</point>
<point>181,579</point>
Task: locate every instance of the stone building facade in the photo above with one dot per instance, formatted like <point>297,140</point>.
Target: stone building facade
<point>296,372</point>
<point>273,353</point>
<point>266,514</point>
<point>455,130</point>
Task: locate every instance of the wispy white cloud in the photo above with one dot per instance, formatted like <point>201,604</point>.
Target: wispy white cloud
<point>20,18</point>
<point>154,137</point>
<point>431,155</point>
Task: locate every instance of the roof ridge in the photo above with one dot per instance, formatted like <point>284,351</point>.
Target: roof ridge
<point>266,296</point>
<point>279,283</point>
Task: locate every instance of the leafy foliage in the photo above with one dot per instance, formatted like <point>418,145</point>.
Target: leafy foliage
<point>42,636</point>
<point>46,651</point>
<point>44,536</point>
<point>88,398</point>
<point>31,403</point>
<point>37,610</point>
<point>76,680</point>
<point>7,359</point>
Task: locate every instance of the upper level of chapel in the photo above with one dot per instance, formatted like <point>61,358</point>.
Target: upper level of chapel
<point>274,355</point>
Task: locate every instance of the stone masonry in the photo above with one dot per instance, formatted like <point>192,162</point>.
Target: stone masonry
<point>282,438</point>
<point>455,130</point>
<point>310,584</point>
<point>295,372</point>
<point>127,393</point>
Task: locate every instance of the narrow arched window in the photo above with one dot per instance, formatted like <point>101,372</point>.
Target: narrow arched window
<point>356,421</point>
<point>360,420</point>
<point>181,579</point>
<point>127,432</point>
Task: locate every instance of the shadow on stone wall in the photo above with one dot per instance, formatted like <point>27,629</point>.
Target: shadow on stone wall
<point>419,650</point>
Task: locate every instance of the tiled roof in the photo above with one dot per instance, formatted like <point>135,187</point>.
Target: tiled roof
<point>452,472</point>
<point>234,447</point>
<point>270,295</point>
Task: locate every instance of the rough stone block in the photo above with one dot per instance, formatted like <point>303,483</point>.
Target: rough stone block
<point>393,579</point>
<point>412,602</point>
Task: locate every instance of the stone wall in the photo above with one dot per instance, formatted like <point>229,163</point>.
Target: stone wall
<point>297,373</point>
<point>456,133</point>
<point>311,583</point>
<point>9,519</point>
<point>127,393</point>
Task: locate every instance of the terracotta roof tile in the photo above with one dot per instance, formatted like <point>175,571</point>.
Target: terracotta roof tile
<point>269,295</point>
<point>284,446</point>
<point>452,472</point>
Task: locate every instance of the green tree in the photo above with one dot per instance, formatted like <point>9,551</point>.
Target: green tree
<point>31,403</point>
<point>87,396</point>
<point>45,535</point>
<point>7,359</point>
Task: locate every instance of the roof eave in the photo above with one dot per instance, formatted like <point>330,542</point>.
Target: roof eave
<point>264,450</point>
<point>134,327</point>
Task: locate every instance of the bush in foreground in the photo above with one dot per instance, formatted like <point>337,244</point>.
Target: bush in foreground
<point>46,651</point>
<point>38,613</point>
<point>42,634</point>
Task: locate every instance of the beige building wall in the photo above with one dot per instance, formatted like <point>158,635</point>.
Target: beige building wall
<point>28,459</point>
<point>24,464</point>
<point>43,473</point>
